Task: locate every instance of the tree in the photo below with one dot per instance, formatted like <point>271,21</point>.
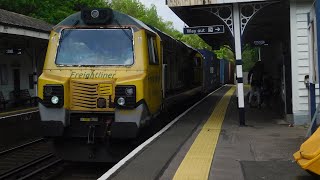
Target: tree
<point>225,53</point>
<point>51,11</point>
<point>250,56</point>
<point>150,16</point>
<point>54,11</point>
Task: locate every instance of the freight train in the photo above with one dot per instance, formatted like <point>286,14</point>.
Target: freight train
<point>107,75</point>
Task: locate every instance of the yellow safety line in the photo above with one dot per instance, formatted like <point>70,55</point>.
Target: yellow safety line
<point>197,162</point>
<point>18,111</point>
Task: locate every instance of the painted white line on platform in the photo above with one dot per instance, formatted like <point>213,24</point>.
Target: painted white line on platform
<point>151,139</point>
<point>13,115</point>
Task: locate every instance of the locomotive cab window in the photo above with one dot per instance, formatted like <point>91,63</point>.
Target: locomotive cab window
<point>95,47</point>
<point>152,50</point>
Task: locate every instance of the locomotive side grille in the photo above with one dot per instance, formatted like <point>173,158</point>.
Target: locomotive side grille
<point>105,89</point>
<point>84,95</point>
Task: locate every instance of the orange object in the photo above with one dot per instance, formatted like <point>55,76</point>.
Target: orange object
<point>308,157</point>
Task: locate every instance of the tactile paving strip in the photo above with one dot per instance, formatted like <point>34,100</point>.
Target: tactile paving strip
<point>197,162</point>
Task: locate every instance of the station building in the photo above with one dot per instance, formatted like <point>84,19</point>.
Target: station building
<point>279,28</point>
<point>23,44</point>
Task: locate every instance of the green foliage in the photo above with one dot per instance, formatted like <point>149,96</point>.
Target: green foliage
<point>131,7</point>
<point>149,16</point>
<point>250,56</point>
<point>51,11</point>
<point>226,53</point>
<point>54,11</point>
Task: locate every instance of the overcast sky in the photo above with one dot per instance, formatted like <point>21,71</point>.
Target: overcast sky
<point>165,12</point>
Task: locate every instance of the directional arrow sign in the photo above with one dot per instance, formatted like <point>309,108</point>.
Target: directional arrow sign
<point>216,29</point>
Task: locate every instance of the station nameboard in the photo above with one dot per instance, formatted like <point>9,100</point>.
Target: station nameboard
<point>216,29</point>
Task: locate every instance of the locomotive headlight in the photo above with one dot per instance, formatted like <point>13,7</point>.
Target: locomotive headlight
<point>125,96</point>
<point>121,101</point>
<point>48,90</point>
<point>94,13</point>
<point>55,100</point>
<point>53,95</point>
<point>129,91</point>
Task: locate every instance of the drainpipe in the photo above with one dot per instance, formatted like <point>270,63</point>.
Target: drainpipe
<point>311,80</point>
<point>317,35</point>
<point>35,74</point>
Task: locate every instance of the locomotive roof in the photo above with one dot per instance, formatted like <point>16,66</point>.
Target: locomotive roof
<point>118,19</point>
<point>166,37</point>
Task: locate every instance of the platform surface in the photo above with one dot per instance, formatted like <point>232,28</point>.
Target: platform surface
<point>17,111</point>
<point>263,150</point>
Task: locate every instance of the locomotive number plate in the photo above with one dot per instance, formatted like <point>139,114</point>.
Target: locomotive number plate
<point>88,119</point>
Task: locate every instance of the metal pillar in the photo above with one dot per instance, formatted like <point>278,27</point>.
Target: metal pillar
<point>35,74</point>
<point>312,99</point>
<point>309,79</point>
<point>317,38</point>
<point>238,51</point>
<point>236,17</point>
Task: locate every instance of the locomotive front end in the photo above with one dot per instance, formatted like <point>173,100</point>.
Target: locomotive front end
<point>95,83</point>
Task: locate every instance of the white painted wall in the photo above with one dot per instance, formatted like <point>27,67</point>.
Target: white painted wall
<point>24,64</point>
<point>21,62</point>
<point>299,58</point>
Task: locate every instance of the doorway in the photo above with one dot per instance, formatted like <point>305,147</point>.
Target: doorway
<point>16,79</point>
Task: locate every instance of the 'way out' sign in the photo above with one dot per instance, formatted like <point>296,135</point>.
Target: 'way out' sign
<point>216,29</point>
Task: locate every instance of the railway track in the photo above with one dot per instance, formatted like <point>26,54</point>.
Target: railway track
<point>34,160</point>
<point>27,160</point>
<point>85,171</point>
<point>21,146</point>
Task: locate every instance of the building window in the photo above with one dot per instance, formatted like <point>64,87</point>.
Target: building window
<point>31,81</point>
<point>3,74</point>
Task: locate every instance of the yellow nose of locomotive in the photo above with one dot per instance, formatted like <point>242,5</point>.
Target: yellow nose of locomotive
<point>91,95</point>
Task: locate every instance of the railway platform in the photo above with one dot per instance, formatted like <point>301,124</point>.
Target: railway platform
<point>206,142</point>
<point>17,112</point>
<point>19,126</point>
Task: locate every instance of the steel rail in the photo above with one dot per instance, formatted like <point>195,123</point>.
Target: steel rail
<point>25,166</point>
<point>21,146</point>
<point>40,169</point>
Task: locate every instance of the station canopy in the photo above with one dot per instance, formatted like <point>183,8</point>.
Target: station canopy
<point>271,22</point>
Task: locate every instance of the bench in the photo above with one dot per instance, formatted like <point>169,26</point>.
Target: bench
<point>3,101</point>
<point>21,96</point>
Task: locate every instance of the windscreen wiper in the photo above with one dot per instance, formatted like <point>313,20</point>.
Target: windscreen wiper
<point>68,32</point>
<point>125,32</point>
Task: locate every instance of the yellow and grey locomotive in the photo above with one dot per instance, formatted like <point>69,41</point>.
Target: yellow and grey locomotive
<point>107,74</point>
